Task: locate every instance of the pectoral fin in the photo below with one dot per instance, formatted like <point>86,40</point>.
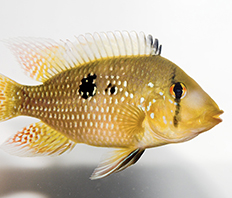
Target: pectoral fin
<point>117,161</point>
<point>37,139</point>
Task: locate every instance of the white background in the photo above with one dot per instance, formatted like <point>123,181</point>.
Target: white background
<point>196,35</point>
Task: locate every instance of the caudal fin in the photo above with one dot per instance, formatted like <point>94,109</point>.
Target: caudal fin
<point>9,100</point>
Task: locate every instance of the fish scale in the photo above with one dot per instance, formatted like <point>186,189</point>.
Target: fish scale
<point>92,120</point>
<point>108,90</point>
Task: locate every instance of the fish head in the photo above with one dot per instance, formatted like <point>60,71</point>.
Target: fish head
<point>183,109</point>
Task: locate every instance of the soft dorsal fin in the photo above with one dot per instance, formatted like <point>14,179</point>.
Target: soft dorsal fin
<point>43,58</point>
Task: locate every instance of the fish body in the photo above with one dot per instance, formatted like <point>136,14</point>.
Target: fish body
<point>107,90</point>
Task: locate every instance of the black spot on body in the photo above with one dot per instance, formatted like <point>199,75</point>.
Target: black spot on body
<point>88,86</point>
<point>110,89</point>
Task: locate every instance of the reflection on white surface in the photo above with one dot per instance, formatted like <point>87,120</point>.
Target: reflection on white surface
<point>196,35</point>
<point>25,195</point>
<point>168,178</point>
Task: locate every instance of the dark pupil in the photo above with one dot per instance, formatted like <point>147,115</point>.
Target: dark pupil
<point>178,90</point>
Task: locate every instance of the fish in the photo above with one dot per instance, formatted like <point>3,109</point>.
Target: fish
<point>109,89</point>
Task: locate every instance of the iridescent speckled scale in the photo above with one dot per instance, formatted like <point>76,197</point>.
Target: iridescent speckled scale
<point>89,106</point>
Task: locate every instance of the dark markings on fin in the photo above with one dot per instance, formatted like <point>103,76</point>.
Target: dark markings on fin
<point>117,161</point>
<point>132,158</point>
<point>155,45</point>
<point>88,87</point>
<point>111,89</point>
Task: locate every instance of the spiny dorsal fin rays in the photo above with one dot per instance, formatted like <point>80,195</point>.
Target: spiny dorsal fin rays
<point>43,58</point>
<point>113,44</point>
<point>154,45</point>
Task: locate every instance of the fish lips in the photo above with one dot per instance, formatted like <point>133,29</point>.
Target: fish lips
<point>216,116</point>
<point>212,117</point>
<point>208,120</point>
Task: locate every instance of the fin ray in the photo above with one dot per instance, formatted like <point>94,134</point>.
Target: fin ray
<point>117,161</point>
<point>43,58</point>
<point>8,99</point>
<point>38,139</point>
<point>130,120</point>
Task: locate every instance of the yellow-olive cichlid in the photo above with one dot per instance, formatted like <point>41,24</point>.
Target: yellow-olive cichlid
<point>107,90</point>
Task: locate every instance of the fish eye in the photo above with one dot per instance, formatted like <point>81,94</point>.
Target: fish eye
<point>178,90</point>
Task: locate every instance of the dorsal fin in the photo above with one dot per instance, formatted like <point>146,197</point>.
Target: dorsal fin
<point>43,58</point>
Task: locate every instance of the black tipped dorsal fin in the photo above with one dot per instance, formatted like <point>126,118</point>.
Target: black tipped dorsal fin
<point>43,58</point>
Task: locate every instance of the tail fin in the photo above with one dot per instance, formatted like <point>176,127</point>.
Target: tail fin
<point>8,98</point>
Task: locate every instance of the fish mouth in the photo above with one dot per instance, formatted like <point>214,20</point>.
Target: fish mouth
<point>216,116</point>
<point>209,121</point>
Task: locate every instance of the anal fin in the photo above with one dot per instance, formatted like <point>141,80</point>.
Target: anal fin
<point>117,161</point>
<point>37,139</point>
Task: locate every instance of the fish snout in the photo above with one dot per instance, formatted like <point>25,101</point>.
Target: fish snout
<point>213,117</point>
<point>216,115</point>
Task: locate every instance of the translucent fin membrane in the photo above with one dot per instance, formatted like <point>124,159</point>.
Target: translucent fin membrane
<point>37,140</point>
<point>117,161</point>
<point>43,58</point>
<point>112,44</point>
